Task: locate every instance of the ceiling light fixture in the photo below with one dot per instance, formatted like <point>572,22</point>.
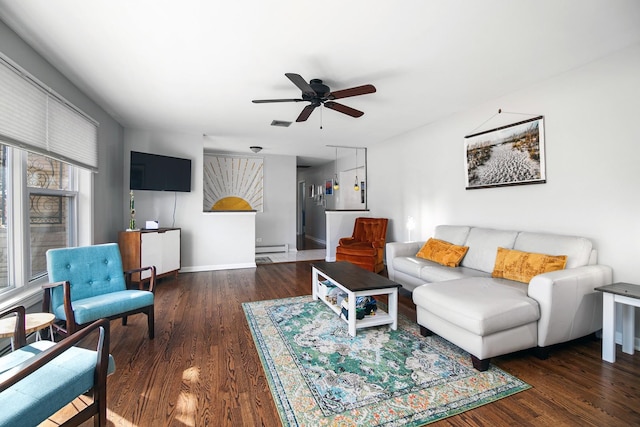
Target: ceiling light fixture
<point>336,185</point>
<point>280,123</point>
<point>255,148</point>
<point>356,187</point>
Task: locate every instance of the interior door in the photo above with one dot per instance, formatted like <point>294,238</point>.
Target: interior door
<point>300,217</point>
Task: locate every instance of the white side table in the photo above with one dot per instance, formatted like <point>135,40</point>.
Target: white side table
<point>628,295</point>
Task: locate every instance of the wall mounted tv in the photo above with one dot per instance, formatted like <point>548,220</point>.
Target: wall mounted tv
<point>159,173</point>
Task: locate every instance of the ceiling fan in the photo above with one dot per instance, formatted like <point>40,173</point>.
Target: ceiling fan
<point>317,93</point>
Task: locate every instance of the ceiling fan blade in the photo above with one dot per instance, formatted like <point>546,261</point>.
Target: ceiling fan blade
<point>301,83</point>
<point>354,91</point>
<point>306,112</point>
<point>264,101</point>
<point>343,109</point>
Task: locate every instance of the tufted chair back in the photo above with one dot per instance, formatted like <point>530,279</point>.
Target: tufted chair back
<point>372,230</point>
<point>91,271</point>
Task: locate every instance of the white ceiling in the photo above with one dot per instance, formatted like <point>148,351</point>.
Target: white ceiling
<point>194,66</point>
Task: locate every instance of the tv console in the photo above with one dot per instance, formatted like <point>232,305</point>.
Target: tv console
<point>142,248</point>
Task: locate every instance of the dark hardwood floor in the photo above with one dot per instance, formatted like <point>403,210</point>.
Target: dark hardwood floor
<point>202,369</point>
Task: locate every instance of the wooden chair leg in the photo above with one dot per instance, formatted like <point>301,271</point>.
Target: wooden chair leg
<point>124,320</point>
<point>151,323</point>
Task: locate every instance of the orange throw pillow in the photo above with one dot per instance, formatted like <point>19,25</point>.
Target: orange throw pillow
<point>523,266</point>
<point>442,252</point>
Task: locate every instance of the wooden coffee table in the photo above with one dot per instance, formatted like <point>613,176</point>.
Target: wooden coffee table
<point>357,282</point>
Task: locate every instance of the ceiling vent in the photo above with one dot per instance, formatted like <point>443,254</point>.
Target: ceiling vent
<point>280,123</point>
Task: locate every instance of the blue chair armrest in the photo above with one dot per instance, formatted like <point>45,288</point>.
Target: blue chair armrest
<point>67,378</point>
<point>19,333</point>
<point>152,279</point>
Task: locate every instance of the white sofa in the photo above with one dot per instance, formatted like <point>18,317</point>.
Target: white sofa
<point>489,317</point>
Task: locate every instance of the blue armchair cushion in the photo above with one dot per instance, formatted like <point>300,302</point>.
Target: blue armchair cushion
<point>90,309</point>
<point>50,388</point>
<point>23,354</point>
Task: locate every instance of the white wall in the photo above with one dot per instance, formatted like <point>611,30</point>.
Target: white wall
<point>592,159</point>
<point>276,225</point>
<point>202,233</point>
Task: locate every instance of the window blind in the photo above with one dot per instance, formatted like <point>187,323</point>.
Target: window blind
<point>34,118</point>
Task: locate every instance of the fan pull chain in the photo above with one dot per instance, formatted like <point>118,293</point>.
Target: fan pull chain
<point>320,116</point>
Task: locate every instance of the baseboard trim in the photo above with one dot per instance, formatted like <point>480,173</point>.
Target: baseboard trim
<point>272,248</point>
<point>217,267</point>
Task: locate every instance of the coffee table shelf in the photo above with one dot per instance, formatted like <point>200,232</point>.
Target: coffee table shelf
<point>356,282</point>
<point>380,317</point>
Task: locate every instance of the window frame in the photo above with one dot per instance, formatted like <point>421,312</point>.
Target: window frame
<point>71,223</point>
<point>20,279</point>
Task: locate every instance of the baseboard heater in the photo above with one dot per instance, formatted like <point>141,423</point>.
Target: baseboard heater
<point>272,248</point>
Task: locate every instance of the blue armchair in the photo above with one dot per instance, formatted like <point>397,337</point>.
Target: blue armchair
<point>88,283</point>
<point>39,379</point>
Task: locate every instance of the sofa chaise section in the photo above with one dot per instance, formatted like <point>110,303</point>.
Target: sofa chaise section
<point>489,316</point>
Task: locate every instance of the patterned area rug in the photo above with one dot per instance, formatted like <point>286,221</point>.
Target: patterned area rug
<point>320,375</point>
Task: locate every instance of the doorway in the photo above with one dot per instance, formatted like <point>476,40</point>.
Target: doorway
<point>302,243</point>
<point>300,213</point>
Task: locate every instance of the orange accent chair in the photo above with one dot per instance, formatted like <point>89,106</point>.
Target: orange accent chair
<point>365,248</point>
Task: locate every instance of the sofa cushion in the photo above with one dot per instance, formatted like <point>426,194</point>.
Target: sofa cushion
<point>523,266</point>
<point>442,252</point>
<point>482,306</point>
<point>434,272</point>
<point>411,265</point>
<point>483,246</point>
<point>577,249</point>
<point>358,249</point>
<point>456,234</point>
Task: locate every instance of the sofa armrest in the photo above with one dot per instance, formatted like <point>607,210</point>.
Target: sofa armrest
<point>569,306</point>
<point>399,249</point>
<point>379,244</point>
<point>346,241</point>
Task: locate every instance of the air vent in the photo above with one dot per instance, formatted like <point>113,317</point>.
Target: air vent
<point>280,123</point>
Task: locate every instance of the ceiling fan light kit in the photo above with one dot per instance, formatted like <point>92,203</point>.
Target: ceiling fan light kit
<point>280,123</point>
<point>318,94</point>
